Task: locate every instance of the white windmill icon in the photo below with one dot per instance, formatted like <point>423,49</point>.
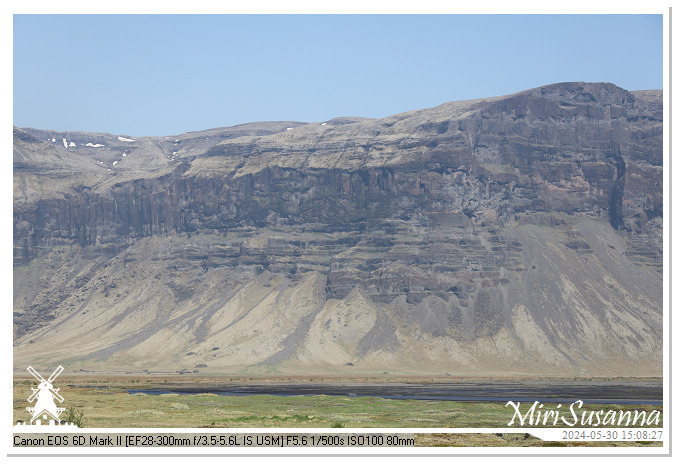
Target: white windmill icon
<point>46,394</point>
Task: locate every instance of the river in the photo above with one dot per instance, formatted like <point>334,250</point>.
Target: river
<point>650,393</point>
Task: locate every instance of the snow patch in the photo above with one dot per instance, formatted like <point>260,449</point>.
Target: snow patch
<point>289,128</point>
<point>123,139</point>
<point>54,140</point>
<point>324,124</point>
<point>72,144</point>
<point>114,163</point>
<point>124,154</point>
<point>65,143</point>
<point>90,144</point>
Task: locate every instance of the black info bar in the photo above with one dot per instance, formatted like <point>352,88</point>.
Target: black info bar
<point>131,440</point>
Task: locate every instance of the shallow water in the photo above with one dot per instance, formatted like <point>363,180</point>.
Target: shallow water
<point>564,392</point>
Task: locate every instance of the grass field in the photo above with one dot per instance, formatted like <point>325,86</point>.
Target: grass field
<point>106,404</point>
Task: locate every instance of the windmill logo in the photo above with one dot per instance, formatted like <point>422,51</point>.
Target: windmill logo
<point>45,394</point>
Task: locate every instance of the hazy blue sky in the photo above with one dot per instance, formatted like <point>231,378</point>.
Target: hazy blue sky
<point>163,75</point>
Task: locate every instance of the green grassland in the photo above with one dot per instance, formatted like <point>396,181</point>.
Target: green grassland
<point>108,405</point>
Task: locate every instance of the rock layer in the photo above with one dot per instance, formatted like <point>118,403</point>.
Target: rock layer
<point>509,234</point>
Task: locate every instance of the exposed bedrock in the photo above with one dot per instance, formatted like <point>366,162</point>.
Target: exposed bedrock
<point>509,233</point>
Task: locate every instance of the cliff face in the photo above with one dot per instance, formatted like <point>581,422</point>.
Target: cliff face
<point>519,233</point>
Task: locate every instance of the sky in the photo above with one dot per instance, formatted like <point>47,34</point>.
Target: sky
<point>154,75</point>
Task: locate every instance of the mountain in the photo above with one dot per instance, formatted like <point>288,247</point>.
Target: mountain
<point>519,234</point>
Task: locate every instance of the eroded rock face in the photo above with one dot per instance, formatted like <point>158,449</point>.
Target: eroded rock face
<point>509,222</point>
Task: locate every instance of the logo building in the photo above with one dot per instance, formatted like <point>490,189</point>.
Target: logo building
<point>45,397</point>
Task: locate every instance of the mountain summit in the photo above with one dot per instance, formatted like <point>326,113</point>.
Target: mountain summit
<point>509,235</point>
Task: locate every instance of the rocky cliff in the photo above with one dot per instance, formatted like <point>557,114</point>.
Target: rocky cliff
<point>515,234</point>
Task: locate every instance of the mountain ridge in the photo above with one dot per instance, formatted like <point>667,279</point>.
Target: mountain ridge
<point>513,234</point>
